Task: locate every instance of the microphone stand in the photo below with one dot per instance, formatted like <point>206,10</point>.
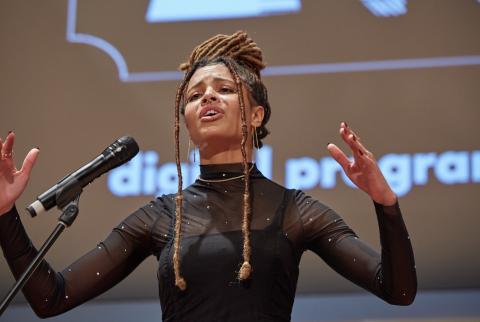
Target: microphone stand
<point>70,212</point>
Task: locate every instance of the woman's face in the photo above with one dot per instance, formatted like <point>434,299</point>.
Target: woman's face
<point>212,111</point>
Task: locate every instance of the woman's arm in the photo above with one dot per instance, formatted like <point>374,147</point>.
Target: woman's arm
<point>390,275</point>
<point>50,292</point>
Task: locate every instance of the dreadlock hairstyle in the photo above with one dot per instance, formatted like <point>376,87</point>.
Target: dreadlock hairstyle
<point>243,58</point>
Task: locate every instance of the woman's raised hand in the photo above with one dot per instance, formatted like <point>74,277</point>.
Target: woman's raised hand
<point>13,181</point>
<point>363,170</point>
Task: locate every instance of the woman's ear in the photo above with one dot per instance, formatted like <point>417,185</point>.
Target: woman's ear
<point>258,112</point>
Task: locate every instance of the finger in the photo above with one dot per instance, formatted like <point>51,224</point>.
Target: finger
<point>29,161</point>
<point>351,131</point>
<point>353,141</point>
<point>356,138</point>
<point>361,149</point>
<point>345,132</point>
<point>343,129</point>
<point>350,140</point>
<point>348,130</point>
<point>8,145</point>
<point>338,155</point>
<point>360,154</point>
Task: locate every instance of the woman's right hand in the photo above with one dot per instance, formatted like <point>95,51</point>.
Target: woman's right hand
<point>13,181</point>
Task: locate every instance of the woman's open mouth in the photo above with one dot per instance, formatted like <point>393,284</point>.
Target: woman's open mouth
<point>210,114</point>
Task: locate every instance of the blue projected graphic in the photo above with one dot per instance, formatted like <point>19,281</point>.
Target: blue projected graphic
<point>143,175</point>
<point>125,75</point>
<point>386,8</point>
<point>188,10</point>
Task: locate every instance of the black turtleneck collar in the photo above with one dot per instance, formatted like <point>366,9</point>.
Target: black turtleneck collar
<point>225,170</point>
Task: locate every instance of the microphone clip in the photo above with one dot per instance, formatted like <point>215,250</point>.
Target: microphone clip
<point>70,212</point>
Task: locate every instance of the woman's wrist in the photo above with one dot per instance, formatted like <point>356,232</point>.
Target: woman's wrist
<point>387,199</point>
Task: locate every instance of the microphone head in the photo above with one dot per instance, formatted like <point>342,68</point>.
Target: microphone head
<point>70,187</point>
<point>121,151</point>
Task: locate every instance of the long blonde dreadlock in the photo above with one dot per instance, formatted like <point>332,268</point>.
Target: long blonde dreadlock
<point>231,50</point>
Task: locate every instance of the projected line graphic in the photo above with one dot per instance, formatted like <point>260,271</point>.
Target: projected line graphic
<point>125,75</point>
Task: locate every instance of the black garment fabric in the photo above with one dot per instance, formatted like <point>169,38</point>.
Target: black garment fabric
<point>284,224</point>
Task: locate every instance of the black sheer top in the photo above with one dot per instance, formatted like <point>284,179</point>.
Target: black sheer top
<point>284,224</point>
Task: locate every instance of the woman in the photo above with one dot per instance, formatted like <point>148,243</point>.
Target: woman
<point>219,261</point>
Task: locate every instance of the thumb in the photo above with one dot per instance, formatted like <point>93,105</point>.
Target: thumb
<point>29,161</point>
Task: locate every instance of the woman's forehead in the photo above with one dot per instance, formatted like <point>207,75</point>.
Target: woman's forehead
<point>215,72</point>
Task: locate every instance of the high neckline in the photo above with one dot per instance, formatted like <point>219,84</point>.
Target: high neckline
<point>225,170</point>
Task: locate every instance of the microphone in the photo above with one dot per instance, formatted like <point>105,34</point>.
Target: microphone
<point>67,189</point>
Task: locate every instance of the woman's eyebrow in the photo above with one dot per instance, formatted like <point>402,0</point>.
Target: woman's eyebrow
<point>215,79</point>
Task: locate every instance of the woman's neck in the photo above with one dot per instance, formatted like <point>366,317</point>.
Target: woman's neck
<point>222,156</point>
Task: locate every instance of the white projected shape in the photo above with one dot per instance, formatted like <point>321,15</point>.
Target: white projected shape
<point>386,8</point>
<point>187,10</point>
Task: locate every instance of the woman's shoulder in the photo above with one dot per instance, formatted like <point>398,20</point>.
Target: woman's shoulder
<point>299,197</point>
<point>151,218</point>
<point>304,200</point>
<point>160,206</point>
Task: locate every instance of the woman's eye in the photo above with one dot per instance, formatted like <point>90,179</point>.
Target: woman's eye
<point>193,97</point>
<point>227,90</point>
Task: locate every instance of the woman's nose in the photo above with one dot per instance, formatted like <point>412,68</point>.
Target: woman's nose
<point>209,96</point>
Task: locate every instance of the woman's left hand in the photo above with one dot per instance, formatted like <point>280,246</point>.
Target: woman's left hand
<point>363,171</point>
